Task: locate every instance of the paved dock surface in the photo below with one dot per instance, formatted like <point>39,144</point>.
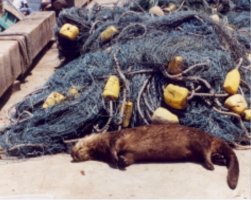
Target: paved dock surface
<point>57,177</point>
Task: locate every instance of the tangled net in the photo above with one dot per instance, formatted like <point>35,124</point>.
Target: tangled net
<point>138,55</point>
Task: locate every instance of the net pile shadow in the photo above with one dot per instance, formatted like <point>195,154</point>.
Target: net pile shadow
<point>138,54</point>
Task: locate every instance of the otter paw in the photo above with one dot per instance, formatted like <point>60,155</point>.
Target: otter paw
<point>125,160</point>
<point>219,159</point>
<point>122,162</point>
<point>209,165</point>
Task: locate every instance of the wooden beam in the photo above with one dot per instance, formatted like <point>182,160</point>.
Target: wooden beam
<point>78,3</point>
<point>21,43</point>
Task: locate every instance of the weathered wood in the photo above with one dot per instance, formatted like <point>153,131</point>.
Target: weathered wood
<point>81,3</point>
<point>21,43</point>
<point>38,27</point>
<point>1,7</point>
<point>9,64</point>
<point>78,3</point>
<point>12,10</point>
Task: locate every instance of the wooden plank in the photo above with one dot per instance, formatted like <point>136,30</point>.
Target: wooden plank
<point>78,3</point>
<point>9,64</point>
<point>1,7</point>
<point>81,3</point>
<point>38,27</point>
<point>21,43</point>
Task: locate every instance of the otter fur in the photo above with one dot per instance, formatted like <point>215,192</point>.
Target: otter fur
<point>158,143</point>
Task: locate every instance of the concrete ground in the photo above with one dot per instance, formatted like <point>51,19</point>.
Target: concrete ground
<point>57,177</point>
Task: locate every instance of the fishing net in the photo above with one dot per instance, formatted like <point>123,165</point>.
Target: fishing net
<point>138,54</point>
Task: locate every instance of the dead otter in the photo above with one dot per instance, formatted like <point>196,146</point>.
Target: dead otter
<point>158,143</point>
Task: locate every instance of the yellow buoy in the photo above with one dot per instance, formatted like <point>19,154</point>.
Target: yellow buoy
<point>175,66</point>
<point>236,103</point>
<point>69,31</point>
<point>247,114</point>
<point>215,18</point>
<point>73,91</point>
<point>156,10</point>
<point>128,109</point>
<point>176,96</point>
<point>232,81</point>
<point>248,57</point>
<point>53,99</point>
<point>162,115</point>
<point>108,33</point>
<point>170,8</point>
<point>112,88</point>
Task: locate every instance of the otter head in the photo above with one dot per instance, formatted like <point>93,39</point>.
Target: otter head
<point>83,150</point>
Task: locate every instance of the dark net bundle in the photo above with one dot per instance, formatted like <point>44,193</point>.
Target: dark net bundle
<point>239,19</point>
<point>209,6</point>
<point>91,22</point>
<point>139,59</point>
<point>234,13</point>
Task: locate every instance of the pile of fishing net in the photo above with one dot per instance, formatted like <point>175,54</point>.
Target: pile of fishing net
<point>120,80</point>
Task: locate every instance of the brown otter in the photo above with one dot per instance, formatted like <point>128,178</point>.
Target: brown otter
<point>158,143</point>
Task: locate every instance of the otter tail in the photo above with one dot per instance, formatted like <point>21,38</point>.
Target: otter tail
<point>232,164</point>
